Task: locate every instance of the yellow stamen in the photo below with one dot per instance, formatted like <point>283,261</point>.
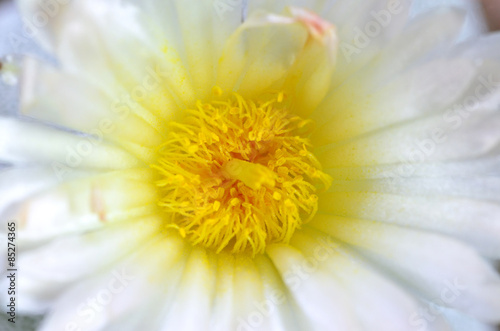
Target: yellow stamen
<point>280,97</point>
<point>238,175</point>
<point>217,91</point>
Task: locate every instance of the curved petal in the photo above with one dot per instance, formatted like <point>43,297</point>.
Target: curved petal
<point>244,61</point>
<point>110,298</point>
<point>350,98</point>
<point>462,322</point>
<point>194,294</point>
<point>292,53</point>
<point>85,204</point>
<point>365,29</point>
<point>17,184</point>
<point>276,305</point>
<point>410,255</point>
<point>85,34</point>
<point>430,140</point>
<point>320,298</point>
<point>198,34</point>
<point>25,143</point>
<point>379,304</point>
<point>473,220</point>
<point>51,269</point>
<point>83,107</point>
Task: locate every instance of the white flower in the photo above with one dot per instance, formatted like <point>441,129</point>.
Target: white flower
<point>320,166</point>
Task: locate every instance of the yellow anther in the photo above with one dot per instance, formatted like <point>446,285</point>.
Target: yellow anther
<point>217,91</point>
<point>193,149</point>
<point>280,97</point>
<point>280,161</point>
<point>182,232</point>
<point>276,196</point>
<point>283,171</point>
<point>215,137</point>
<point>216,205</point>
<point>178,178</point>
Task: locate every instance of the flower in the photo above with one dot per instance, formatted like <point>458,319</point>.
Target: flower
<point>318,166</point>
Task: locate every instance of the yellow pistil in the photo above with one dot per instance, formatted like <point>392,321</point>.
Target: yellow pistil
<point>238,175</point>
<point>253,175</point>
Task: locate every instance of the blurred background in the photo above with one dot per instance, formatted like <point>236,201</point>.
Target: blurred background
<point>12,48</point>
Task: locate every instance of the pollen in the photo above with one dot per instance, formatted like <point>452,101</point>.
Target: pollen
<point>238,175</point>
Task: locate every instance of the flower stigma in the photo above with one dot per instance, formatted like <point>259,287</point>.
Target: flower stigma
<point>238,174</point>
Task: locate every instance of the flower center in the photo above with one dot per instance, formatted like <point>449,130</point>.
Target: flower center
<point>237,175</point>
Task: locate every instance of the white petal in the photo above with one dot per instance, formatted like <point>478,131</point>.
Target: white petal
<point>194,294</point>
<point>116,294</point>
<point>462,322</point>
<point>475,24</point>
<point>435,32</point>
<point>17,184</point>
<point>260,300</point>
<point>425,89</point>
<point>85,204</point>
<point>24,143</point>
<point>364,30</point>
<point>247,293</point>
<point>356,93</point>
<point>163,286</point>
<point>52,268</point>
<point>277,305</point>
<point>85,34</point>
<point>438,268</point>
<point>279,5</point>
<point>352,20</point>
<point>320,298</point>
<point>183,62</point>
<point>424,141</point>
<point>204,29</point>
<point>473,221</point>
<point>452,87</point>
<point>56,97</point>
<point>197,33</point>
<point>378,302</point>
<point>245,68</point>
<point>479,187</point>
<point>485,166</point>
<point>223,305</point>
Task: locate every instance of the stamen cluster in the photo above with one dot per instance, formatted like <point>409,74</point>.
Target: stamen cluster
<point>237,175</point>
